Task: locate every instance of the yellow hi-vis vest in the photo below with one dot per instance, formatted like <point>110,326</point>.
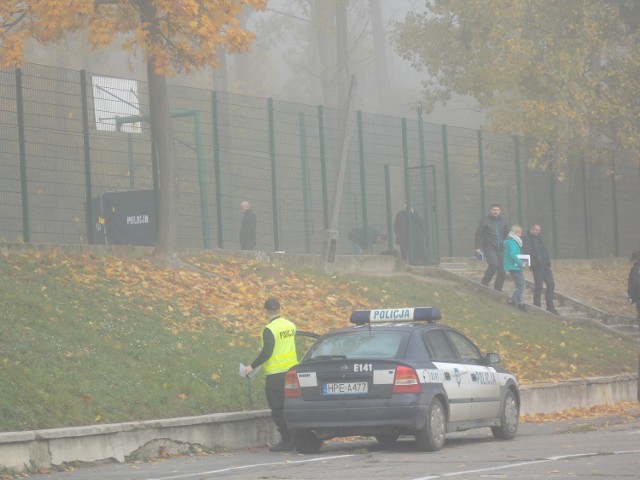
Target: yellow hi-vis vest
<point>284,350</point>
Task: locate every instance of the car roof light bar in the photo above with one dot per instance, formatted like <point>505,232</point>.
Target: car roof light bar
<point>396,315</point>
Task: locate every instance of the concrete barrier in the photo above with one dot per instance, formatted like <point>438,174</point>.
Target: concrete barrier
<point>121,442</point>
<point>578,393</point>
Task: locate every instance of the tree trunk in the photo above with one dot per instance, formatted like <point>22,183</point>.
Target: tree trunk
<point>243,60</point>
<point>322,20</point>
<point>162,134</point>
<point>220,73</point>
<point>380,50</point>
<point>342,52</point>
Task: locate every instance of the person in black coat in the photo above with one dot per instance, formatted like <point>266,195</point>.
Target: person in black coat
<point>401,230</point>
<point>491,232</point>
<point>409,231</point>
<point>248,227</point>
<point>541,268</point>
<point>633,284</point>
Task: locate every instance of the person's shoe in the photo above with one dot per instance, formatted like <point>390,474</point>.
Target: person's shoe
<point>521,306</point>
<point>552,310</point>
<point>282,446</point>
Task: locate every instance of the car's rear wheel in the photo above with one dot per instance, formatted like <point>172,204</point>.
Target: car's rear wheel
<point>387,438</point>
<point>431,437</point>
<point>509,418</point>
<point>305,441</point>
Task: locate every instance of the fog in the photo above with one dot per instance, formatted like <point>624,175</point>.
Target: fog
<point>284,61</point>
<point>404,93</point>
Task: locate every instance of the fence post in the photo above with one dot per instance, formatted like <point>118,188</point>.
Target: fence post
<point>363,182</point>
<point>304,164</point>
<point>216,166</point>
<point>447,186</point>
<point>585,206</point>
<point>516,140</point>
<point>614,196</point>
<point>554,224</point>
<point>132,170</point>
<point>323,167</point>
<point>483,199</point>
<point>387,192</point>
<point>22,143</point>
<point>407,187</point>
<point>274,190</point>
<point>425,188</point>
<point>204,206</point>
<point>87,157</point>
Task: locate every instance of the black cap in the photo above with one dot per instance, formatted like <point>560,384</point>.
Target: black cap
<point>272,304</point>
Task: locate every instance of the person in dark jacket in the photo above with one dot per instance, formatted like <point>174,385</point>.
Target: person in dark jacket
<point>401,230</point>
<point>248,227</point>
<point>633,284</point>
<point>408,227</point>
<point>541,268</point>
<point>491,232</point>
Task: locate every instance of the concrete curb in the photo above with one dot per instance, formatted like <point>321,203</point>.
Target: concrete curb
<point>578,393</point>
<point>121,442</point>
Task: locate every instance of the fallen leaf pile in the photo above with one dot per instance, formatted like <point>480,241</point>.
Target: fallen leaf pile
<point>620,409</point>
<point>228,291</point>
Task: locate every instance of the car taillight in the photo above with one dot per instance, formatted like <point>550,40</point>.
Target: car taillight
<point>291,385</point>
<point>406,380</point>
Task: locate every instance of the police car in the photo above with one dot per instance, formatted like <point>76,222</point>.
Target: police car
<point>397,372</point>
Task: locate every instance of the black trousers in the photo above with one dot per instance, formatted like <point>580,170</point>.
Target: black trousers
<point>495,262</point>
<point>542,274</point>
<point>274,391</point>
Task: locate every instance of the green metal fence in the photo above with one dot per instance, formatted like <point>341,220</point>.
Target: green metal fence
<point>57,165</point>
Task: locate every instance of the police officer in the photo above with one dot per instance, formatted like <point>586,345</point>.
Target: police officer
<point>278,354</point>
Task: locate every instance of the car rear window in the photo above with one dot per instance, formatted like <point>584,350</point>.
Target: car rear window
<point>382,345</point>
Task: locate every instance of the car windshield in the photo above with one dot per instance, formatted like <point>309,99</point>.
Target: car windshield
<point>363,344</point>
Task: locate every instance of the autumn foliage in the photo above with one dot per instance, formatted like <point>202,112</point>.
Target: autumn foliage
<point>190,30</point>
<point>226,292</point>
<point>562,74</point>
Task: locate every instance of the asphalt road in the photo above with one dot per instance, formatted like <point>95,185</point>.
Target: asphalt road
<point>604,448</point>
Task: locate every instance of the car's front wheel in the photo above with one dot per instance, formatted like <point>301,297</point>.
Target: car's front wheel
<point>509,418</point>
<point>305,441</point>
<point>431,437</point>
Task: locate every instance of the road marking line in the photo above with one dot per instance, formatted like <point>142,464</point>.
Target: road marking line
<point>244,467</point>
<point>532,462</point>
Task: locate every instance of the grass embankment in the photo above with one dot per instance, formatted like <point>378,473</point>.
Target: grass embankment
<point>91,339</point>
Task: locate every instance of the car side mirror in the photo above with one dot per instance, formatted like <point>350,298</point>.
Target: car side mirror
<point>492,358</point>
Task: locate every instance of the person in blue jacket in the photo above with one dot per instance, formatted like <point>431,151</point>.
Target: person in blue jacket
<point>514,265</point>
